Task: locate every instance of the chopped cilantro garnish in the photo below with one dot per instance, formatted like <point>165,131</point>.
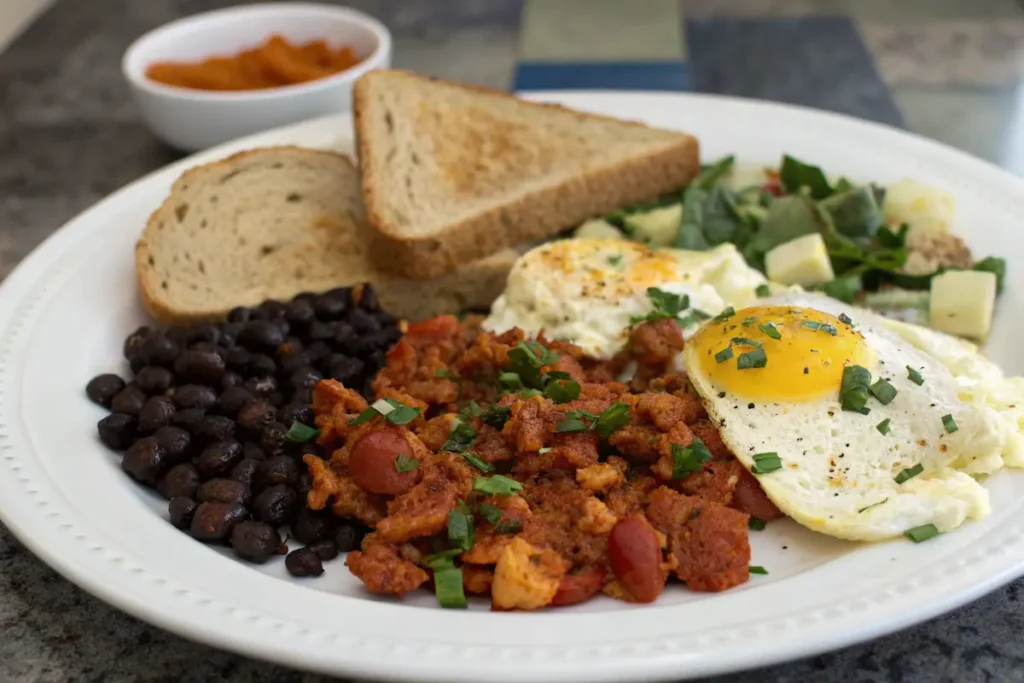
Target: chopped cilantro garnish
<point>300,433</point>
<point>508,526</point>
<point>562,391</point>
<point>745,341</point>
<point>756,524</point>
<point>666,305</point>
<point>393,411</point>
<point>914,376</point>
<point>615,259</point>
<point>489,512</point>
<point>811,325</point>
<point>868,507</point>
<point>766,462</point>
<point>909,473</point>
<point>920,534</point>
<point>496,416</point>
<point>770,330</point>
<point>727,313</point>
<point>497,485</point>
<point>854,389</point>
<point>762,290</point>
<point>406,463</point>
<point>883,391</point>
<point>949,423</point>
<point>724,355</point>
<point>755,569</point>
<point>752,359</point>
<point>460,526</point>
<point>570,426</point>
<point>883,426</point>
<point>687,460</point>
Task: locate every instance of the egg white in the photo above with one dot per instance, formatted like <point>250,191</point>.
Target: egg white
<point>838,474</point>
<point>588,290</point>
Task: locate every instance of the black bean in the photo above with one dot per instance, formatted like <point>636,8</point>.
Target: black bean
<point>136,363</point>
<point>175,442</point>
<point>349,537</point>
<point>295,412</point>
<point>181,511</point>
<point>311,526</point>
<point>224,491</point>
<point>189,419</point>
<point>260,365</point>
<point>300,312</point>
<point>272,309</point>
<point>294,361</point>
<point>255,541</point>
<point>128,401</point>
<point>229,333</point>
<point>216,427</point>
<point>251,449</point>
<point>217,459</point>
<point>284,326</point>
<point>289,347</point>
<point>194,396</point>
<point>261,335</point>
<point>280,469</point>
<point>305,485</point>
<point>144,461</point>
<point>180,480</point>
<point>231,400</point>
<point>272,438</point>
<point>361,345</point>
<point>320,331</point>
<point>240,314</point>
<point>178,335</point>
<point>386,320</point>
<point>368,298</point>
<point>117,431</point>
<point>214,521</point>
<point>245,471</point>
<point>346,370</point>
<point>303,562</point>
<point>134,341</point>
<point>203,333</point>
<point>275,505</point>
<point>231,379</point>
<point>318,351</point>
<point>101,389</point>
<point>305,378</point>
<point>345,336</point>
<point>158,350</point>
<point>155,413</point>
<point>329,307</point>
<point>201,367</point>
<point>255,415</point>
<point>325,550</point>
<point>304,396</point>
<point>154,379</point>
<point>390,335</point>
<point>237,358</point>
<point>261,386</point>
<point>363,322</point>
<point>207,347</point>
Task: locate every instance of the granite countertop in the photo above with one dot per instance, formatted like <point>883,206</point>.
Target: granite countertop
<point>69,135</point>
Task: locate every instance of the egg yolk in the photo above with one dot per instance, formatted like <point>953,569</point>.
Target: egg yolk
<point>778,353</point>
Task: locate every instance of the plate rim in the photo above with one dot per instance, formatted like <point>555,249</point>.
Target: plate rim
<point>663,667</point>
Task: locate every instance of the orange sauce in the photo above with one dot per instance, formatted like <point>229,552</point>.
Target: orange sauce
<point>275,63</point>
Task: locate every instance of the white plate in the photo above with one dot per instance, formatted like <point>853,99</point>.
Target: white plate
<point>66,309</point>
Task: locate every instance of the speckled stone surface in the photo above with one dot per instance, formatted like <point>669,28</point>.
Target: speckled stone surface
<point>69,136</point>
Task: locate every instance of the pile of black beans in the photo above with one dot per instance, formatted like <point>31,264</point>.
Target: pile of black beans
<point>217,417</point>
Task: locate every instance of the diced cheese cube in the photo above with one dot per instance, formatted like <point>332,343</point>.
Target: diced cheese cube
<point>962,302</point>
<point>922,207</point>
<point>803,261</point>
<point>598,229</point>
<point>659,226</point>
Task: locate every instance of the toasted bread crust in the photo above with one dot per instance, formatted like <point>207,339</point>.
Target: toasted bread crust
<point>541,214</point>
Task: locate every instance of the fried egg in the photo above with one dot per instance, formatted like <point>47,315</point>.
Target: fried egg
<point>771,375</point>
<point>588,290</point>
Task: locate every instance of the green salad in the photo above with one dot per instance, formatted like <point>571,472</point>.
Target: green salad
<point>878,247</point>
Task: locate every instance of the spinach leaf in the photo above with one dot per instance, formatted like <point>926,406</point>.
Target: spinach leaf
<point>849,258</point>
<point>710,218</point>
<point>845,289</point>
<point>788,218</point>
<point>843,185</point>
<point>854,212</point>
<point>795,174</point>
<point>711,174</point>
<point>618,217</point>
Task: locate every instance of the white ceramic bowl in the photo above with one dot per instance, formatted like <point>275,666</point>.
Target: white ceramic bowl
<point>196,119</point>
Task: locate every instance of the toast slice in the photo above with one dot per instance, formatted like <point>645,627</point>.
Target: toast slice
<point>452,173</point>
<point>270,223</point>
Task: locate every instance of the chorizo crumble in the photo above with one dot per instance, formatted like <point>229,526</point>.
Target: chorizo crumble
<point>499,466</point>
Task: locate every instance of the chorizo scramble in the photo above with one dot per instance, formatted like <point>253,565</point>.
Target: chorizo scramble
<point>520,469</point>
